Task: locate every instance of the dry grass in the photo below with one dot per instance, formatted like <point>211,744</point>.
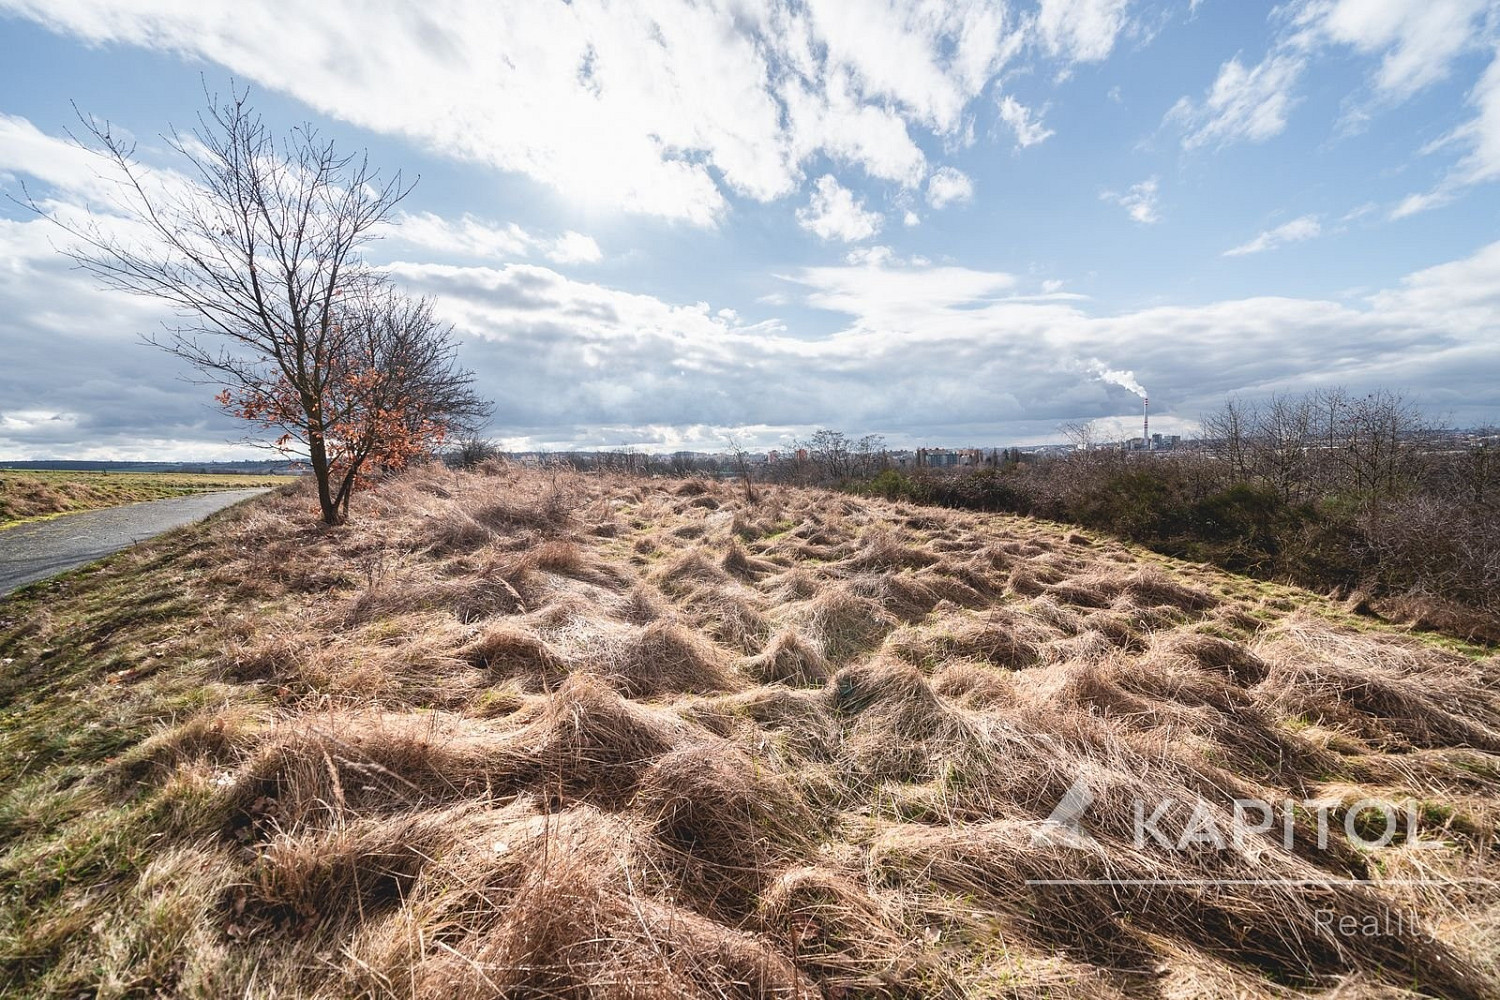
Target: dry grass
<point>531,734</point>
<point>38,493</point>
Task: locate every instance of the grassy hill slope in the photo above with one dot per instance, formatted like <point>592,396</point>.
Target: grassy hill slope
<point>534,735</point>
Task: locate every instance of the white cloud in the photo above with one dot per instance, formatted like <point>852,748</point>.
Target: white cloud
<point>574,248</point>
<point>76,382</point>
<point>1480,136</point>
<point>30,421</point>
<point>886,298</point>
<point>932,58</point>
<point>874,256</point>
<point>472,237</point>
<point>1029,131</point>
<point>1243,105</point>
<point>26,149</point>
<point>467,236</point>
<point>833,213</point>
<point>948,185</point>
<point>1416,39</point>
<point>76,181</point>
<point>691,100</point>
<point>833,121</point>
<point>1414,204</point>
<point>1084,30</point>
<point>884,257</point>
<point>911,218</point>
<point>579,361</point>
<point>1139,201</point>
<point>1305,228</point>
<point>74,178</point>
<point>576,363</point>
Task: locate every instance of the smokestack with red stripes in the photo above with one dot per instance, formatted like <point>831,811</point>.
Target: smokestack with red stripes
<point>1146,422</point>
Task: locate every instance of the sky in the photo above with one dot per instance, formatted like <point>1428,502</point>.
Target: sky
<point>658,224</point>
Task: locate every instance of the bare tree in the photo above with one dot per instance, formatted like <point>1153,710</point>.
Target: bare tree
<point>1281,437</point>
<point>259,254</point>
<point>741,465</point>
<point>1381,438</point>
<point>830,453</point>
<point>1226,436</point>
<point>394,389</point>
<point>1080,434</point>
<point>1478,469</point>
<point>869,455</point>
<point>473,451</point>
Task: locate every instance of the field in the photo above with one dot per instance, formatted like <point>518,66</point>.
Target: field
<point>30,494</point>
<point>533,734</point>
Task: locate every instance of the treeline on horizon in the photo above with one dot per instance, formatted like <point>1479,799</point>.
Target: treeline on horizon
<point>1362,496</point>
<point>1358,495</point>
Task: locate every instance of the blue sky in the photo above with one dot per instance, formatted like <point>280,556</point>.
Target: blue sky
<point>661,223</point>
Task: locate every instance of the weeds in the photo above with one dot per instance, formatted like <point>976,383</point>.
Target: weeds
<point>550,735</point>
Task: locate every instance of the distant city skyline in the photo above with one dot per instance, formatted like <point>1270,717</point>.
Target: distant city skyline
<point>658,224</point>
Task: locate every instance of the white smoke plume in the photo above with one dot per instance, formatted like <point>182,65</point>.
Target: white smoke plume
<point>1126,380</point>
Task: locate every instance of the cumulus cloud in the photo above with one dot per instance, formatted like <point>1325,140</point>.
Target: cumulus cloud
<point>574,248</point>
<point>77,382</point>
<point>1082,30</point>
<point>1417,40</point>
<point>875,255</point>
<point>1139,201</point>
<point>834,213</point>
<point>692,101</point>
<point>575,363</point>
<point>1029,130</point>
<point>612,359</point>
<point>1305,228</point>
<point>948,185</point>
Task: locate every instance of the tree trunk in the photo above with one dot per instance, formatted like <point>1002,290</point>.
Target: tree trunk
<point>328,507</point>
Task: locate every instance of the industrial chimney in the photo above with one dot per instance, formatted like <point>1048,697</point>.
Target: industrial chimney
<point>1146,422</point>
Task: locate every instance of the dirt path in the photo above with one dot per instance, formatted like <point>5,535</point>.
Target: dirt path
<point>32,552</point>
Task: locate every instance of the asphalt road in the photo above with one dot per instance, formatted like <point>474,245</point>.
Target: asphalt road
<point>32,552</point>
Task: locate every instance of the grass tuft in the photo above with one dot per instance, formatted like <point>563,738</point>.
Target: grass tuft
<point>531,733</point>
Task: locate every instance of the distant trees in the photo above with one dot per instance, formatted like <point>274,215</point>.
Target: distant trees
<point>1347,493</point>
<point>830,453</point>
<point>472,451</point>
<point>836,459</point>
<point>1080,434</point>
<point>1476,475</point>
<point>869,456</point>
<point>258,251</point>
<point>1303,446</point>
